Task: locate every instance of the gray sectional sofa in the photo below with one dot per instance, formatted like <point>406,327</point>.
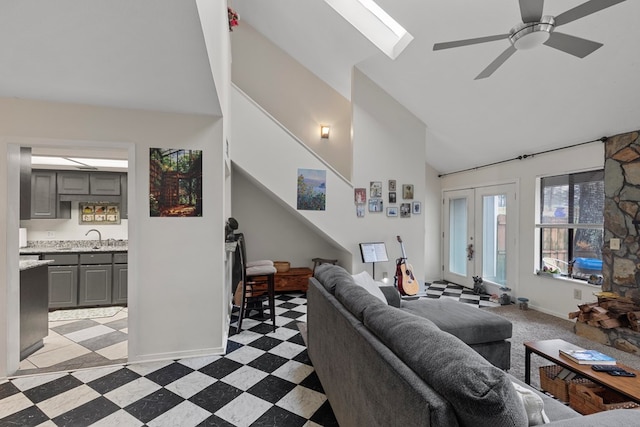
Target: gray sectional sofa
<point>387,365</point>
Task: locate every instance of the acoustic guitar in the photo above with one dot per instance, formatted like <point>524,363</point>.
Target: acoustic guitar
<point>407,283</point>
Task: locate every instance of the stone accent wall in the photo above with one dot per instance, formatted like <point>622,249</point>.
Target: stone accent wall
<point>621,268</point>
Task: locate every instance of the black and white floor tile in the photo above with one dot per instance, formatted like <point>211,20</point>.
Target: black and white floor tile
<point>264,379</point>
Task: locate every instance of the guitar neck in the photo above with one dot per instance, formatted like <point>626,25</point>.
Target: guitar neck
<point>404,256</point>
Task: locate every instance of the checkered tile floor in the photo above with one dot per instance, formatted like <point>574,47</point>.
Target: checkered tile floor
<point>455,292</point>
<point>264,379</point>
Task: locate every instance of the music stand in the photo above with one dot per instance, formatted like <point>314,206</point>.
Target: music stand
<point>373,252</point>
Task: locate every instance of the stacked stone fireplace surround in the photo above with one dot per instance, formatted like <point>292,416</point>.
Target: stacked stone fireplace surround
<point>620,268</point>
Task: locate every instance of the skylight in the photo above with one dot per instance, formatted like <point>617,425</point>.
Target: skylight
<point>375,24</point>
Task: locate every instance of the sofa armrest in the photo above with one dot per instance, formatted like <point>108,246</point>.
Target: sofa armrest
<point>392,295</point>
<point>616,417</point>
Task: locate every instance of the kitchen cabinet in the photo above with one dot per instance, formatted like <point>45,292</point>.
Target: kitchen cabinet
<point>95,279</point>
<point>25,183</point>
<point>104,184</point>
<point>124,193</point>
<point>34,309</point>
<point>73,182</point>
<point>43,194</point>
<point>120,284</point>
<point>63,280</point>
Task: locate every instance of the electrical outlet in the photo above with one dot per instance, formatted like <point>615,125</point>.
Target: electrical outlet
<point>577,294</point>
<point>51,234</point>
<point>614,244</point>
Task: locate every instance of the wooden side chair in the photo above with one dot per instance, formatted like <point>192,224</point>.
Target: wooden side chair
<point>256,286</point>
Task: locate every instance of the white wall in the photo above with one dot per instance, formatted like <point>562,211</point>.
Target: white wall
<point>274,231</point>
<point>432,211</point>
<point>176,265</point>
<point>553,296</point>
<point>389,143</point>
<point>293,95</point>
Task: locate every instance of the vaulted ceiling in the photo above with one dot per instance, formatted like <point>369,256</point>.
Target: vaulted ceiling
<point>539,99</point>
<point>150,54</point>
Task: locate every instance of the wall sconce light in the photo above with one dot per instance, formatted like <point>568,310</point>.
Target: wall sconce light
<point>324,131</point>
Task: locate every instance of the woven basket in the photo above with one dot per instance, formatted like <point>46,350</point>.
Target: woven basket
<point>282,266</point>
<point>591,398</point>
<point>559,388</point>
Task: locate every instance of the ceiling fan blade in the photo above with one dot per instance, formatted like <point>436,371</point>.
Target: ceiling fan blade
<point>531,10</point>
<point>592,6</point>
<point>573,45</point>
<point>467,42</point>
<point>496,63</point>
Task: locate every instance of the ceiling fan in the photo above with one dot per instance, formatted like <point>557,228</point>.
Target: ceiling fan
<point>536,29</point>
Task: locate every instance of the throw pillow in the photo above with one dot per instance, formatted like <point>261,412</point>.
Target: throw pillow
<point>366,281</point>
<point>533,405</point>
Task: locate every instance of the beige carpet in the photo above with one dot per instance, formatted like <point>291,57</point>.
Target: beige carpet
<point>531,325</point>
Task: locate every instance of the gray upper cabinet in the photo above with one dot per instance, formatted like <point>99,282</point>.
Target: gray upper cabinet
<point>124,193</point>
<point>73,183</point>
<point>43,194</point>
<point>104,184</point>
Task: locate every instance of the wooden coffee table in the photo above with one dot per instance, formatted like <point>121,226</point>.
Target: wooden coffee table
<point>550,350</point>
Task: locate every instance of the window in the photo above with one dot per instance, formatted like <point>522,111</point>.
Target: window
<point>571,223</point>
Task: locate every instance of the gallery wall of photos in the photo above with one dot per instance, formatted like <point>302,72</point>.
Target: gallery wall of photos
<point>397,205</point>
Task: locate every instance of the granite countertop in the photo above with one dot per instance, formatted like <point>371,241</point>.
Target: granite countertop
<point>31,263</point>
<point>73,246</point>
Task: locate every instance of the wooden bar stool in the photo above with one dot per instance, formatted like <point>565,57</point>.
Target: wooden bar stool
<point>318,261</point>
<point>257,285</point>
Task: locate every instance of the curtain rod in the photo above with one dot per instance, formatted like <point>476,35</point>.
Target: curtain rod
<point>524,156</point>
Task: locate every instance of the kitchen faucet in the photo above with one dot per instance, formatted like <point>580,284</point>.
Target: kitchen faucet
<point>99,237</point>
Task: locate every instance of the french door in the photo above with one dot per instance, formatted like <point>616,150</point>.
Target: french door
<point>480,235</point>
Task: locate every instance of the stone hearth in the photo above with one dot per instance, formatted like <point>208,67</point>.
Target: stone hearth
<point>623,339</point>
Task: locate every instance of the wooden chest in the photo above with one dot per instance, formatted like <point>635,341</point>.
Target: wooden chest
<point>296,279</point>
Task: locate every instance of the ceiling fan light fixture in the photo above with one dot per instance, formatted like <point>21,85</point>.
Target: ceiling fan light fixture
<point>528,35</point>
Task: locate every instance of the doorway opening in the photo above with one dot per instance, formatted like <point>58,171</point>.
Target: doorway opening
<point>87,336</point>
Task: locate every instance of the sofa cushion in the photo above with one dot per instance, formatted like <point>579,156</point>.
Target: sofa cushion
<point>471,324</point>
<point>355,298</point>
<point>391,294</point>
<point>480,393</point>
<point>365,281</point>
<point>330,275</point>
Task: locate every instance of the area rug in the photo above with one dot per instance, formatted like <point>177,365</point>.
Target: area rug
<point>532,325</point>
<point>84,313</point>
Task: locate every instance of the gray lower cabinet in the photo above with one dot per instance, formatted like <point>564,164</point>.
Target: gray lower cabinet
<point>120,288</point>
<point>87,279</point>
<point>95,279</point>
<point>63,286</point>
<point>95,285</point>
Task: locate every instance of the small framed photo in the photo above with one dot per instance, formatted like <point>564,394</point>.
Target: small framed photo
<point>416,208</point>
<point>407,191</point>
<point>375,205</point>
<point>360,210</point>
<point>360,195</point>
<point>392,211</point>
<point>392,196</point>
<point>405,210</point>
<point>392,185</point>
<point>375,189</point>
